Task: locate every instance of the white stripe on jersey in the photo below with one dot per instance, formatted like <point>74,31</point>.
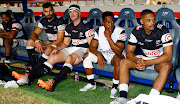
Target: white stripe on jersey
<point>61,27</point>
<point>1,27</point>
<point>153,53</point>
<point>89,33</point>
<point>52,36</point>
<point>17,26</point>
<point>132,39</point>
<point>166,37</point>
<point>79,41</point>
<point>40,25</point>
<point>67,34</point>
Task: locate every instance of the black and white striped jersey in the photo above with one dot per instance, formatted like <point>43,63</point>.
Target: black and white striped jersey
<point>118,35</point>
<point>151,45</point>
<point>15,25</point>
<point>51,28</point>
<point>79,33</point>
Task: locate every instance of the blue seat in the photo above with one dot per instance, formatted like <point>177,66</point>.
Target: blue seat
<point>127,16</point>
<point>95,17</point>
<point>66,16</point>
<point>10,13</point>
<point>163,15</point>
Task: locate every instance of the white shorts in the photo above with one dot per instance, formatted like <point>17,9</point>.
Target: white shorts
<point>16,42</point>
<point>150,67</point>
<point>79,50</point>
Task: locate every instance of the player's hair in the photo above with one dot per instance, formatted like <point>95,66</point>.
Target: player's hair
<point>145,12</point>
<point>74,5</point>
<point>107,13</point>
<point>47,5</point>
<point>6,14</point>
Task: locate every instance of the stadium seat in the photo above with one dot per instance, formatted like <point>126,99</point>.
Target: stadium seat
<point>127,16</point>
<point>128,2</point>
<point>95,17</point>
<point>163,15</point>
<point>140,2</point>
<point>90,3</point>
<point>29,23</point>
<point>66,16</point>
<point>118,2</point>
<point>99,3</point>
<point>73,2</point>
<point>108,2</point>
<point>82,3</point>
<point>66,3</point>
<point>10,13</point>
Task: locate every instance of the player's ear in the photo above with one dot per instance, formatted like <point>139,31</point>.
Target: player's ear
<point>141,21</point>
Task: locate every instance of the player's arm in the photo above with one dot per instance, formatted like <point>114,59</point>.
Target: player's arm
<point>60,38</point>
<point>93,47</point>
<point>11,35</point>
<point>36,32</point>
<point>130,53</point>
<point>166,57</point>
<point>65,44</point>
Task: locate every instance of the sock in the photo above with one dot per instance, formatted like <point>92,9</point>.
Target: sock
<point>154,92</point>
<point>32,55</point>
<point>115,83</point>
<point>42,59</point>
<point>123,90</point>
<point>7,60</point>
<point>91,79</point>
<point>37,72</point>
<point>62,74</point>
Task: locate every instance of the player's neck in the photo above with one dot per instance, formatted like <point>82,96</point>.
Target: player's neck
<point>148,32</point>
<point>49,20</point>
<point>77,21</point>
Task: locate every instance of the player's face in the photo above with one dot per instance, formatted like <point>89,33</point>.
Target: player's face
<point>148,22</point>
<point>74,15</point>
<point>108,22</point>
<point>48,12</point>
<point>5,18</point>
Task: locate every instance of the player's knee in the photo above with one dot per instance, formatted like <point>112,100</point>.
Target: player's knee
<point>1,41</point>
<point>48,50</point>
<point>87,63</point>
<point>116,60</point>
<point>166,67</point>
<point>124,62</point>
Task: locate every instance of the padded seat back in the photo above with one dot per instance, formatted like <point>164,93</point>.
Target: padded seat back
<point>95,16</point>
<point>66,16</point>
<point>29,23</point>
<point>127,16</point>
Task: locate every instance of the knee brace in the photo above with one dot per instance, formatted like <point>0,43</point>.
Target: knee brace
<point>1,41</point>
<point>89,60</point>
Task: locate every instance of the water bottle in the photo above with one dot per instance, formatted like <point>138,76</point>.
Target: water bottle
<point>76,77</point>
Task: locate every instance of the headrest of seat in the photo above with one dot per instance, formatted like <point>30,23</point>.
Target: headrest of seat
<point>66,14</point>
<point>29,13</point>
<point>95,13</point>
<point>127,14</point>
<point>165,14</point>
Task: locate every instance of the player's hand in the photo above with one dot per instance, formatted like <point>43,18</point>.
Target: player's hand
<point>140,64</point>
<point>101,62</point>
<point>39,47</point>
<point>55,51</point>
<point>107,33</point>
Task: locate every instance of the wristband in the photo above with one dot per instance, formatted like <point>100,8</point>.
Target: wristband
<point>55,47</point>
<point>37,41</point>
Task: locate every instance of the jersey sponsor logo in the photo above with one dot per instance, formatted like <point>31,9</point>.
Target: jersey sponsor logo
<point>74,31</point>
<point>81,34</point>
<point>77,42</point>
<point>122,37</point>
<point>52,36</point>
<point>152,53</point>
<point>50,26</point>
<point>138,27</point>
<point>148,40</point>
<point>158,43</point>
<point>167,37</point>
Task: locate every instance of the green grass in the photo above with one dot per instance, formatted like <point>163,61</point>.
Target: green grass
<point>67,92</point>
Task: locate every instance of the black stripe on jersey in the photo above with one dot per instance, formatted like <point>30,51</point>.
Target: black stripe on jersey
<point>67,36</point>
<point>167,42</point>
<point>121,41</point>
<point>132,43</point>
